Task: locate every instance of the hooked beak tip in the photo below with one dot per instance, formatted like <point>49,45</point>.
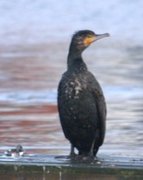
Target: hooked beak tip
<point>100,36</point>
<point>107,34</point>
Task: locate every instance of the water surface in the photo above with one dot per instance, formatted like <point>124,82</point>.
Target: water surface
<point>33,52</point>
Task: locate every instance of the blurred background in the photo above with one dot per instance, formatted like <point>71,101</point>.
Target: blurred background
<point>34,41</point>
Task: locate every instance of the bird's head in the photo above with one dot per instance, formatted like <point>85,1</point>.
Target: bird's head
<point>82,39</point>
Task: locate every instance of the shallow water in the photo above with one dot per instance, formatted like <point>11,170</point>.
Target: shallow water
<point>33,52</point>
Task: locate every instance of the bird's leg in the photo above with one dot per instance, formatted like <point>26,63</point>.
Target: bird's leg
<point>95,151</point>
<point>72,153</point>
<point>91,153</point>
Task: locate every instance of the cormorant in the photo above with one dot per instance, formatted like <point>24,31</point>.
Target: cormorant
<point>81,103</point>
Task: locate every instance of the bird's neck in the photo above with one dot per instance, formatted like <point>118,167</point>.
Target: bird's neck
<point>75,61</point>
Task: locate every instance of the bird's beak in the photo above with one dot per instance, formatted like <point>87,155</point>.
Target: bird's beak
<point>100,36</point>
<point>89,40</point>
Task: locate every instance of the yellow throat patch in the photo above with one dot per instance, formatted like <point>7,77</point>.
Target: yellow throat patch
<point>88,40</point>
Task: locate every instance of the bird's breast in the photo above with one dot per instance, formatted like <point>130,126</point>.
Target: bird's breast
<point>74,88</point>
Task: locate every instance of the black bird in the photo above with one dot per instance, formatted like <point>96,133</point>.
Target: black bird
<point>81,103</point>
